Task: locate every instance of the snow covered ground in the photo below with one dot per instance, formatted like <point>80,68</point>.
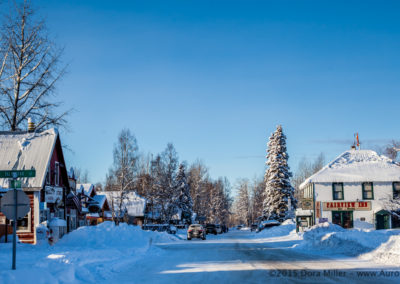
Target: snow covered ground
<point>126,254</point>
<point>89,254</point>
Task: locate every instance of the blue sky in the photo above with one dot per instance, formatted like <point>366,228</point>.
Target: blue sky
<point>216,77</point>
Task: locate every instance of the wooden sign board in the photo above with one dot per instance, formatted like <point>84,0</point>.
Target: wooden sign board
<point>347,206</point>
<point>307,204</point>
<point>53,193</point>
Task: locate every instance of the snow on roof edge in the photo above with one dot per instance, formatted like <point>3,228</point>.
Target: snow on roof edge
<point>357,171</point>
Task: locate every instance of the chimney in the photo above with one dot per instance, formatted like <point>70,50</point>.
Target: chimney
<point>31,125</point>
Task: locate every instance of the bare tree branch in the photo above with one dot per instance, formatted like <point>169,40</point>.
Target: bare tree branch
<point>30,68</point>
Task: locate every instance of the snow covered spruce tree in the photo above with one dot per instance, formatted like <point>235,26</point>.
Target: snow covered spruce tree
<point>279,202</point>
<point>183,201</point>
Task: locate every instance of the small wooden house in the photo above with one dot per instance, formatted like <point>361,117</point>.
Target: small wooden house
<point>48,190</point>
<point>132,209</point>
<point>99,209</point>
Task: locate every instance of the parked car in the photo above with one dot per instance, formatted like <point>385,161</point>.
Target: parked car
<point>267,224</point>
<point>239,227</point>
<point>196,231</point>
<point>254,227</point>
<point>211,229</point>
<point>170,229</point>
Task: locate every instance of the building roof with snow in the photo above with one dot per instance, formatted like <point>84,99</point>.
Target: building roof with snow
<point>26,151</point>
<point>98,203</point>
<point>85,188</point>
<point>357,166</point>
<point>132,203</point>
<point>100,199</point>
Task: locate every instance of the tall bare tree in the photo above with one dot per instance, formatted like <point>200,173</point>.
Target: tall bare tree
<point>391,150</point>
<point>257,199</point>
<point>30,67</point>
<point>243,202</point>
<point>122,175</point>
<point>305,170</point>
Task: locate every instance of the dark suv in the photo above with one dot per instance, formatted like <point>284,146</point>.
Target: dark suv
<point>211,229</point>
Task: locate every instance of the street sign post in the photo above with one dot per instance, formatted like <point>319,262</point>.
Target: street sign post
<point>17,174</point>
<point>15,184</point>
<point>7,205</point>
<point>15,204</point>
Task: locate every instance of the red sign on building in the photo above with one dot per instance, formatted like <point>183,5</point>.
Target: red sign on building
<point>347,206</point>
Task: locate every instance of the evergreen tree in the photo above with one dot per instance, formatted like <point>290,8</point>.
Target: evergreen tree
<point>279,202</point>
<point>184,200</point>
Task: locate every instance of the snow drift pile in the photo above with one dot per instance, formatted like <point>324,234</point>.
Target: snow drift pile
<point>88,255</point>
<point>107,234</point>
<point>286,228</point>
<point>333,238</point>
<point>388,252</point>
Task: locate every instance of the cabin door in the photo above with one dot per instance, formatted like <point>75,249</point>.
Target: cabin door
<point>382,220</point>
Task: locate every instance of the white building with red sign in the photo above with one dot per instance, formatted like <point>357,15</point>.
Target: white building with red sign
<point>359,189</point>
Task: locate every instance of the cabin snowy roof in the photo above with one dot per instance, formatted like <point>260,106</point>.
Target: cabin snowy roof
<point>357,166</point>
<point>132,203</point>
<point>25,151</point>
<point>100,199</point>
<point>85,188</point>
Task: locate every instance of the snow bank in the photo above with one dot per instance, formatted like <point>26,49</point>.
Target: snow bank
<point>388,252</point>
<point>286,228</point>
<point>87,255</point>
<point>107,234</point>
<point>329,237</point>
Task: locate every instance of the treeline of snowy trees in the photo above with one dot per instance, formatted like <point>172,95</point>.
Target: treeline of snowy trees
<point>169,186</point>
<point>248,205</point>
<point>211,198</point>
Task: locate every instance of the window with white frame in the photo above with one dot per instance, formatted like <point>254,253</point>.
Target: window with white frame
<point>24,224</point>
<point>337,189</point>
<point>367,190</point>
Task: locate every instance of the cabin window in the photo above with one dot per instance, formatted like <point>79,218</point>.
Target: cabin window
<point>57,174</point>
<point>367,190</point>
<point>337,189</point>
<point>48,180</point>
<point>396,190</point>
<point>24,224</point>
